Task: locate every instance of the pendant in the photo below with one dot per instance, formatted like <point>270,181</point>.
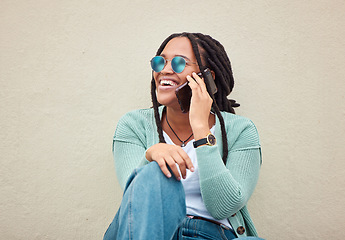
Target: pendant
<point>182,145</point>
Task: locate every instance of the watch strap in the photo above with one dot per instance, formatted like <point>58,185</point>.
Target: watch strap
<point>199,142</point>
<point>210,140</point>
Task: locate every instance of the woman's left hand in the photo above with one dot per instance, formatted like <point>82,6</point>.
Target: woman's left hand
<point>200,107</point>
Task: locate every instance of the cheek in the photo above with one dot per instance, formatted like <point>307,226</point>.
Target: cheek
<point>183,76</point>
<point>155,76</point>
<point>189,72</point>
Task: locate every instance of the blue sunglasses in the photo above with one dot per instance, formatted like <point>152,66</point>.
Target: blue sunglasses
<point>178,64</point>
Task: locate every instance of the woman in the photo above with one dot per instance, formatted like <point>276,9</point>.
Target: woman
<point>194,171</point>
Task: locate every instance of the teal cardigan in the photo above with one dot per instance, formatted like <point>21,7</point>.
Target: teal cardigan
<point>225,189</point>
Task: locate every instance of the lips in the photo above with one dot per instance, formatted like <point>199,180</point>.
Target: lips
<point>167,83</point>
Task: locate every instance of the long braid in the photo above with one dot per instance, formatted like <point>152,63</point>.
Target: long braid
<point>155,107</point>
<point>209,53</point>
<point>222,128</point>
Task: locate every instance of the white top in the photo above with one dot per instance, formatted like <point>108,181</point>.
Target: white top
<point>194,203</point>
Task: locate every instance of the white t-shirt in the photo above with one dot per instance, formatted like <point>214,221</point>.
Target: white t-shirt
<point>194,203</point>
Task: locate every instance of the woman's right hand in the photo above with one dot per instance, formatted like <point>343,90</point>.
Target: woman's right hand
<point>168,155</point>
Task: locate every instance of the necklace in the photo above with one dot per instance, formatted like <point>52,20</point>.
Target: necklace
<point>183,142</point>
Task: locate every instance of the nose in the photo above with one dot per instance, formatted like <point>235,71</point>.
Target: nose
<point>167,68</point>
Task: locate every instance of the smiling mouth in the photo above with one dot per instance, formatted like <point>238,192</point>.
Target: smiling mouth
<point>167,83</point>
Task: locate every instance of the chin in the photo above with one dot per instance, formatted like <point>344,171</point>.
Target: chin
<point>168,102</point>
<point>164,102</point>
<point>166,99</point>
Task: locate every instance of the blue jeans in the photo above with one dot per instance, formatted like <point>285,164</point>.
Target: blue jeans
<point>153,207</point>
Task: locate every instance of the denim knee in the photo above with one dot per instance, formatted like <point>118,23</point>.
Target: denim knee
<point>152,174</point>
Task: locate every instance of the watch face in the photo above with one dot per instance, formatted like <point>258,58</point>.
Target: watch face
<point>211,139</point>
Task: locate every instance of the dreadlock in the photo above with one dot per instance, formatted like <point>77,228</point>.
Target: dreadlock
<point>210,54</point>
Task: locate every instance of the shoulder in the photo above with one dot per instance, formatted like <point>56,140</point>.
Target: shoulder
<point>138,115</point>
<point>241,131</point>
<point>236,121</point>
<point>137,120</point>
<point>135,125</point>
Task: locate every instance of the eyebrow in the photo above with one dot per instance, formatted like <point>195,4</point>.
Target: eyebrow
<point>178,55</point>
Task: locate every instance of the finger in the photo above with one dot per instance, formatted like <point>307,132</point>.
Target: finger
<point>182,165</point>
<point>187,160</point>
<point>193,85</point>
<point>200,81</point>
<point>172,164</point>
<point>192,82</point>
<point>164,168</point>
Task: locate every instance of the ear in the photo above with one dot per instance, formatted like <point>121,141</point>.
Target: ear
<point>213,74</point>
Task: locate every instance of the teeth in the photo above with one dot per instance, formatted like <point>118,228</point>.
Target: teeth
<point>167,82</point>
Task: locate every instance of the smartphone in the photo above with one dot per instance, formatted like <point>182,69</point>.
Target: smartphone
<point>184,93</point>
<point>209,79</point>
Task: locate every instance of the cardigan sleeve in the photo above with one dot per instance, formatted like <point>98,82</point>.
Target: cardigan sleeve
<point>227,189</point>
<point>129,147</point>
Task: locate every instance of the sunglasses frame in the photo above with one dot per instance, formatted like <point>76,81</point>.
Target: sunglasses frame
<point>167,60</point>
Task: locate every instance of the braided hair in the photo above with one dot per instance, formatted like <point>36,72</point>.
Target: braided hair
<point>210,54</point>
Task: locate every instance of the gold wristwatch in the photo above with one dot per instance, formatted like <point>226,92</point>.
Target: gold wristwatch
<point>210,140</point>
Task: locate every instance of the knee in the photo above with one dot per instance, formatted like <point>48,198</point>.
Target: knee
<point>147,175</point>
<point>152,166</point>
<point>152,174</point>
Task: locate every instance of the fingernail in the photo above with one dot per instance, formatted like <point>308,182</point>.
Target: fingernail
<point>192,169</point>
<point>169,175</point>
<point>178,179</point>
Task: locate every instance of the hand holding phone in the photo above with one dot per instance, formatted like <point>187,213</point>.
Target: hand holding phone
<point>184,93</point>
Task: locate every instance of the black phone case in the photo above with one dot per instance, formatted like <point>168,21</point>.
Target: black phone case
<point>209,79</point>
<point>184,94</point>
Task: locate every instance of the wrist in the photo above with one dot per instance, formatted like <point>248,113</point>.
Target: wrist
<point>200,133</point>
<point>209,140</point>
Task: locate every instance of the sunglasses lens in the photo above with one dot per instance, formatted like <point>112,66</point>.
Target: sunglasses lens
<point>178,64</point>
<point>157,63</point>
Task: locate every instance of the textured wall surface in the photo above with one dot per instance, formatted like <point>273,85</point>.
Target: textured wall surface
<point>70,69</point>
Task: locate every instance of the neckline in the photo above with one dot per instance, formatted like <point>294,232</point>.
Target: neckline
<point>212,129</point>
